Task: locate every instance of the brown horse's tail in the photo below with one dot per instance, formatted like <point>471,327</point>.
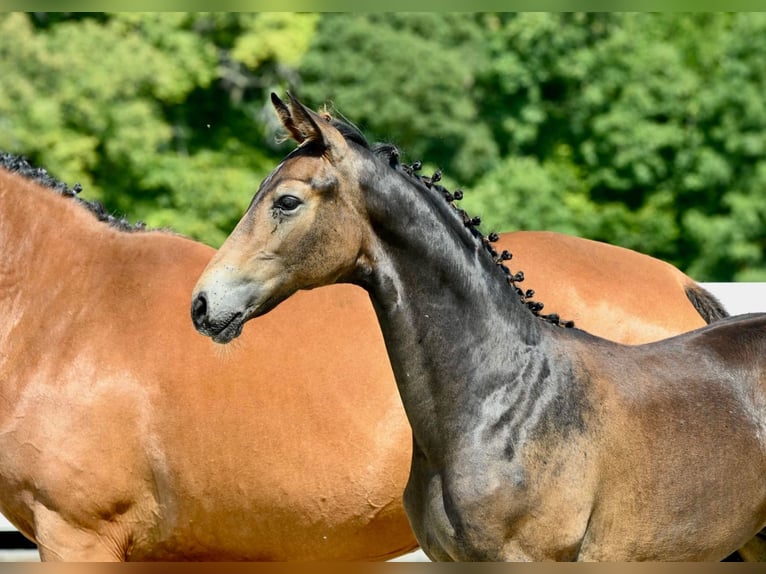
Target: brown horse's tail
<point>706,304</point>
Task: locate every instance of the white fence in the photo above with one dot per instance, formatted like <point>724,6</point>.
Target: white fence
<point>738,298</point>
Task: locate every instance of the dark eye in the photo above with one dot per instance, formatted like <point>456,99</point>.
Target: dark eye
<point>287,203</point>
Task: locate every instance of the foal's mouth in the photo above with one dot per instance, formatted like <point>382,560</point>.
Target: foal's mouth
<point>228,328</point>
<point>225,331</point>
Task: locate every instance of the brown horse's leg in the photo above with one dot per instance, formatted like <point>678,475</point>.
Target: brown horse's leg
<point>755,549</point>
<point>58,540</point>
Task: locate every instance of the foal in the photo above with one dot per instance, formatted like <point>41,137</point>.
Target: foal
<point>530,441</point>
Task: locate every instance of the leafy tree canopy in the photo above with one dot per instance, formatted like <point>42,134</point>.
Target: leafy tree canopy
<point>644,130</point>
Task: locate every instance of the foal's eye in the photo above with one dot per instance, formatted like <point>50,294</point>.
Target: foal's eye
<point>287,203</point>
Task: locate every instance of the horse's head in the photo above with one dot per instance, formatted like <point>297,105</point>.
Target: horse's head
<point>302,229</point>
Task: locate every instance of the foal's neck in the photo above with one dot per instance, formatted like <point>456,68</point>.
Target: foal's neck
<point>455,330</point>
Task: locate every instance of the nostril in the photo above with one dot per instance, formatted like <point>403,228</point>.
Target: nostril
<point>199,309</point>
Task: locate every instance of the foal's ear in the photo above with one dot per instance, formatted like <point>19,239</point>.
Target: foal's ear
<point>305,125</point>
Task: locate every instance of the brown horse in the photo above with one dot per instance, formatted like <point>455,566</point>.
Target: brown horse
<point>531,441</point>
<point>126,435</point>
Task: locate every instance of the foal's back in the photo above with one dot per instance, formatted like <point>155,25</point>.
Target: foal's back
<point>689,413</point>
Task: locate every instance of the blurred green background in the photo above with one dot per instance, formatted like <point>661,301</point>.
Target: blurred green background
<point>646,130</point>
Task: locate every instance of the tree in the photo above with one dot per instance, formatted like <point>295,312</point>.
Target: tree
<point>155,127</point>
<point>407,79</point>
<point>656,122</point>
<point>644,130</point>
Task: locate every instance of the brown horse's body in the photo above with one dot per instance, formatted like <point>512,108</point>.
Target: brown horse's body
<point>530,441</point>
<point>124,434</point>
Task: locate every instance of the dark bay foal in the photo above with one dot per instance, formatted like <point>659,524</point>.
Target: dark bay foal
<point>530,441</point>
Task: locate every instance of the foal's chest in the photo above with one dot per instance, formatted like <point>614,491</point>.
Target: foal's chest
<point>490,511</point>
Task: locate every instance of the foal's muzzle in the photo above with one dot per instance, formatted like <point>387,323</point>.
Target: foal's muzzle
<point>221,329</point>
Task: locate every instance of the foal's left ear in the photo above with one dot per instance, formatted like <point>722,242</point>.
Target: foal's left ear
<point>306,126</point>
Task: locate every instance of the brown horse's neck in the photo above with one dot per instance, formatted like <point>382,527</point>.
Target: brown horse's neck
<point>461,343</point>
<point>47,236</point>
<point>53,256</point>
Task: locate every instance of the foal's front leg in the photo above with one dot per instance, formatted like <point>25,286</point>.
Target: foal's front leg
<point>755,548</point>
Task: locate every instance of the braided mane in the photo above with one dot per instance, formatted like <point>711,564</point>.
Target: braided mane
<point>20,165</point>
<point>472,223</point>
<point>390,154</point>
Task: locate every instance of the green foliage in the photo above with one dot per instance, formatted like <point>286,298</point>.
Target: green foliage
<point>128,106</point>
<point>277,36</point>
<point>523,193</point>
<point>644,130</point>
<point>663,117</point>
<point>406,78</point>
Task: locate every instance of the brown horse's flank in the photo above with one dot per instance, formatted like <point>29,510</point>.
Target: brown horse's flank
<point>706,304</point>
<point>530,442</point>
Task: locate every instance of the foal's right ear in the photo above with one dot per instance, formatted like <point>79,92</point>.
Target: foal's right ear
<point>283,111</point>
<point>305,125</point>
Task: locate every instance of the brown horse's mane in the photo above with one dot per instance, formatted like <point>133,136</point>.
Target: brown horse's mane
<point>20,165</point>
